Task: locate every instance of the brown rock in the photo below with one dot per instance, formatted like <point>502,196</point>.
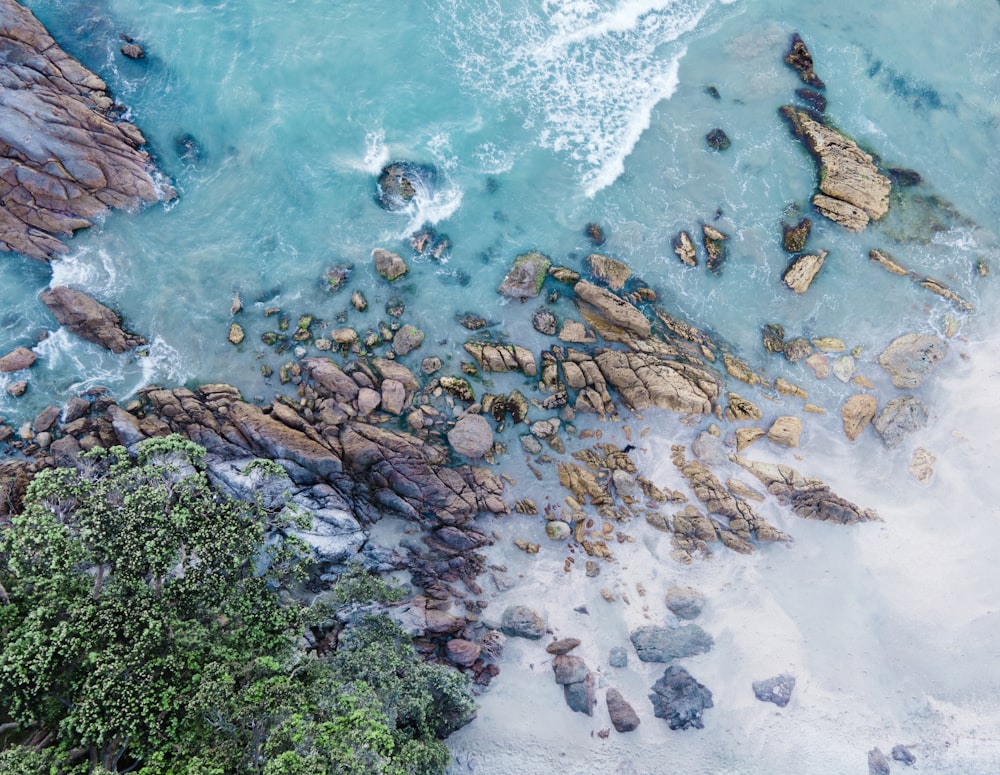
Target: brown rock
<point>685,249</point>
<point>462,652</point>
<point>785,431</point>
<point>388,264</point>
<point>608,271</point>
<point>799,58</point>
<point>563,646</point>
<point>856,413</point>
<point>613,308</point>
<point>525,277</point>
<point>88,319</point>
<point>623,715</point>
<point>17,359</point>
<point>803,270</point>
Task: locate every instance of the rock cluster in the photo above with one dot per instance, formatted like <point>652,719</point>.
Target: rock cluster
<point>66,156</point>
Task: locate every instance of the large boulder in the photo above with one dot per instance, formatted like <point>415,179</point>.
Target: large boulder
<point>910,358</point>
<point>679,699</point>
<point>388,264</point>
<point>613,308</point>
<point>608,271</point>
<point>851,189</point>
<point>88,319</point>
<point>856,412</point>
<point>65,155</point>
<point>803,270</point>
<point>472,436</point>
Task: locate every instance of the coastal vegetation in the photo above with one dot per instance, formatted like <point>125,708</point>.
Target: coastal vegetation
<point>150,624</point>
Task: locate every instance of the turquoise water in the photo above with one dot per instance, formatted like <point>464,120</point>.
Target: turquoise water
<point>539,116</point>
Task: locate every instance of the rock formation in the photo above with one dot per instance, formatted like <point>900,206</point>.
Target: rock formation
<point>66,157</point>
<point>88,319</point>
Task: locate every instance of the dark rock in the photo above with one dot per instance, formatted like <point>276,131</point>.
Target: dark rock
<point>338,275</point>
<point>877,763</point>
<point>777,690</point>
<point>904,177</point>
<point>46,419</point>
<point>89,319</point>
<point>66,155</point>
<point>17,359</point>
<point>472,321</point>
<point>388,264</point>
<point>661,644</point>
<point>685,249</point>
<point>188,149</point>
<point>717,140</point>
<point>623,715</point>
<point>774,338</point>
<point>519,621</point>
<point>595,233</point>
<point>813,99</point>
<point>715,246</point>
<point>462,652</point>
<point>132,50</point>
<point>899,418</point>
<point>712,92</point>
<point>400,182</point>
<point>685,602</point>
<point>580,696</point>
<point>679,699</point>
<point>794,237</point>
<point>569,669</point>
<point>902,754</point>
<point>797,349</point>
<point>800,59</point>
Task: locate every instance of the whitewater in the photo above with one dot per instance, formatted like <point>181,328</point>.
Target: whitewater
<point>539,117</point>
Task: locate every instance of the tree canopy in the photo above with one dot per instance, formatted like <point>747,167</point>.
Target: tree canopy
<point>142,630</point>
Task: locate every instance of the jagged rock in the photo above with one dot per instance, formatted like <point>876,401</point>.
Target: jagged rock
<point>877,763</point>
<point>17,359</point>
<point>799,58</point>
<point>65,158</point>
<point>685,602</point>
<point>132,50</point>
<point>773,336</point>
<point>564,275</point>
<point>608,271</point>
<point>519,621</point>
<point>901,753</point>
<point>472,436</point>
<point>645,380</point>
<point>580,695</point>
<point>857,412</point>
<point>595,234</point>
<point>431,365</point>
<point>740,369</point>
<point>797,349</point>
<point>717,140</point>
<point>886,261</point>
<point>526,275</point>
<point>399,182</point>
<point>740,409</point>
<point>910,358</point>
<point>715,246</point>
<point>472,321</point>
<point>794,238</point>
<point>852,191</point>
<point>623,715</point>
<point>808,498</point>
<point>803,270</point>
<point>685,249</point>
<point>777,690</point>
<point>899,418</point>
<point>389,265</point>
<point>663,644</point>
<point>680,699</point>
<point>787,388</point>
<point>614,309</point>
<point>544,322</point>
<point>236,334</point>
<point>922,464</point>
<point>88,319</point>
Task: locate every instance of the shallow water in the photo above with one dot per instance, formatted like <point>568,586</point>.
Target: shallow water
<point>540,116</point>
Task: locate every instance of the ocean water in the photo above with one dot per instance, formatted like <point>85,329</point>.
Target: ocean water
<point>539,116</point>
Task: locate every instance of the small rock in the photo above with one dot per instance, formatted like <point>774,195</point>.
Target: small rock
<point>563,646</point>
<point>900,417</point>
<point>773,336</point>
<point>685,249</point>
<point>462,652</point>
<point>580,695</point>
<point>393,396</point>
<point>558,530</point>
<point>797,349</point>
<point>715,246</point>
<point>388,264</point>
<point>685,602</point>
<point>843,368</point>
<point>717,140</point>
<point>358,301</point>
<point>820,365</point>
<point>623,715</point>
<point>544,322</point>
<point>663,644</point>
<point>747,436</point>
<point>799,58</point>
<point>407,339</point>
<point>430,365</point>
<point>856,413</point>
<point>17,359</point>
<point>569,669</point>
<point>777,690</point>
<point>618,657</point>
<point>922,465</point>
<point>877,763</point>
<point>520,621</point>
<point>17,388</point>
<point>595,233</point>
<point>794,238</point>
<point>575,332</point>
<point>785,431</point>
<point>133,51</point>
<point>608,271</point>
<point>902,754</point>
<point>236,334</point>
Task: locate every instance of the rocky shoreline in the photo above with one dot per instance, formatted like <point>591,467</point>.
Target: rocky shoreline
<point>360,435</point>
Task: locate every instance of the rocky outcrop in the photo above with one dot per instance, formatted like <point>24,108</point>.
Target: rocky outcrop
<point>502,357</point>
<point>608,271</point>
<point>911,358</point>
<point>800,59</point>
<point>715,246</point>
<point>613,308</point>
<point>679,699</point>
<point>685,249</point>
<point>794,238</point>
<point>88,319</point>
<point>808,498</point>
<point>852,190</point>
<point>65,157</point>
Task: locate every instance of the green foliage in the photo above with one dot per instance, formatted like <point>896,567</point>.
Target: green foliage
<point>141,630</point>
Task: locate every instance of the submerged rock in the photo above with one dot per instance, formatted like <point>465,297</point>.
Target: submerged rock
<point>877,763</point>
<point>88,319</point>
<point>679,699</point>
<point>794,237</point>
<point>65,159</point>
<point>718,140</point>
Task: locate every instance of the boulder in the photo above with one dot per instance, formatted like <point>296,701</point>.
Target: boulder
<point>793,238</point>
<point>407,339</point>
<point>653,643</point>
<point>803,270</point>
<point>462,652</point>
<point>785,431</point>
<point>569,669</point>
<point>400,182</point>
<point>623,715</point>
<point>777,690</point>
<point>679,699</point>
<point>773,337</point>
<point>580,695</point>
<point>88,319</point>
<point>562,646</point>
<point>685,249</point>
<point>389,265</point>
<point>614,309</point>
<point>851,190</point>
<point>544,322</point>
<point>877,763</point>
<point>17,359</point>
<point>67,157</point>
<point>717,140</point>
<point>800,59</point>
<point>899,418</point>
<point>472,436</point>
<point>856,413</point>
<point>520,621</point>
<point>715,246</point>
<point>911,358</point>
<point>608,271</point>
<point>526,275</point>
<point>685,602</point>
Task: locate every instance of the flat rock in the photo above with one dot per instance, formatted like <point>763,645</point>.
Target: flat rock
<point>623,715</point>
<point>777,690</point>
<point>520,621</point>
<point>88,319</point>
<point>562,646</point>
<point>608,271</point>
<point>389,265</point>
<point>803,270</point>
<point>526,275</point>
<point>17,359</point>
<point>856,412</point>
<point>899,418</point>
<point>472,436</point>
<point>65,159</point>
<point>613,308</point>
<point>785,431</point>
<point>911,358</point>
<point>662,644</point>
<point>569,669</point>
<point>679,699</point>
<point>685,602</point>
